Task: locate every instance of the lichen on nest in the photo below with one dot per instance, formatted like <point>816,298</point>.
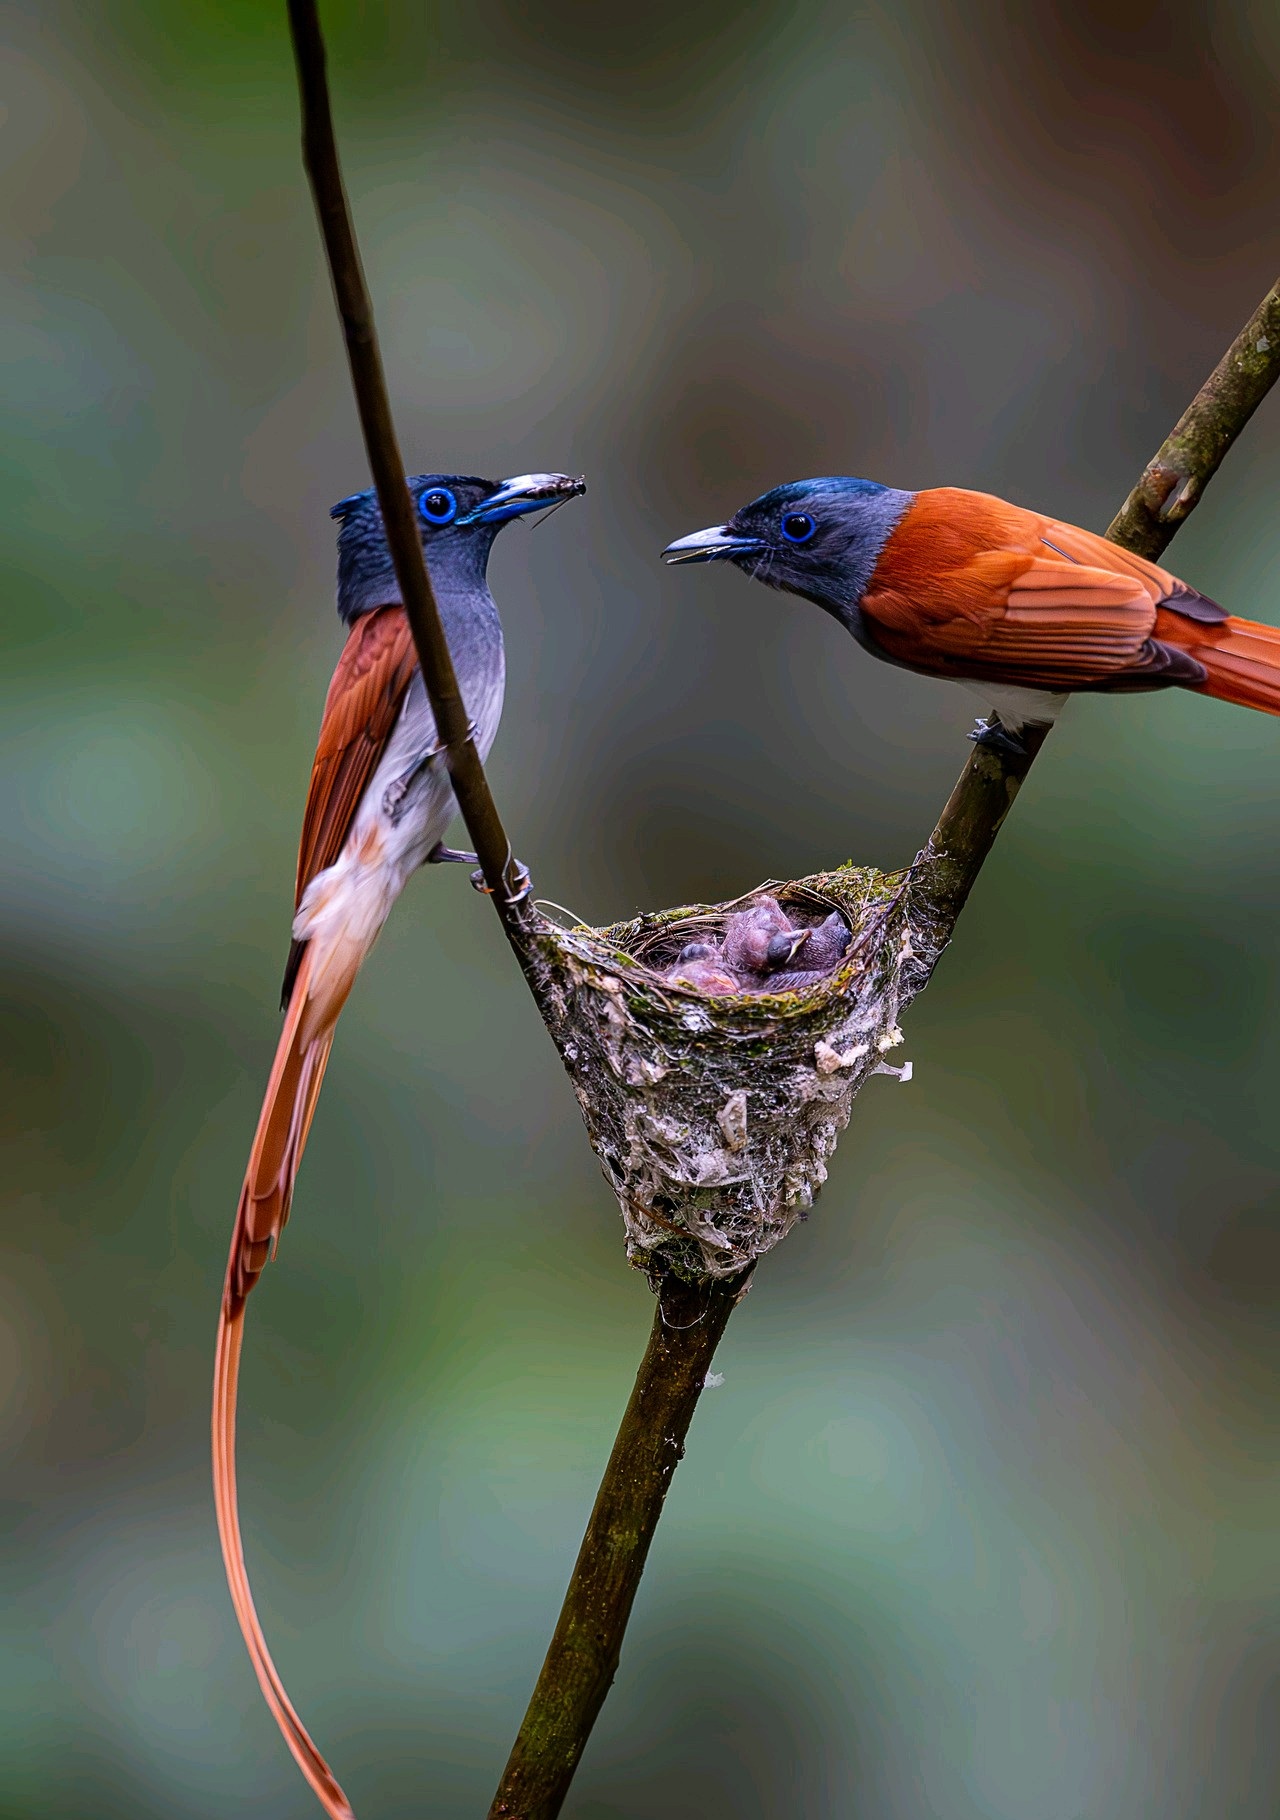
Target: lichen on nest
<point>714,1117</point>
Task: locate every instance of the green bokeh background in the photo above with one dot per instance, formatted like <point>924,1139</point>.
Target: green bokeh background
<point>981,1525</point>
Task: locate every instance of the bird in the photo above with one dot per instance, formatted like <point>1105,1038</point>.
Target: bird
<point>702,973</point>
<point>1021,608</point>
<point>700,951</point>
<point>829,942</point>
<point>761,937</point>
<point>378,806</point>
<point>825,946</point>
<point>814,954</point>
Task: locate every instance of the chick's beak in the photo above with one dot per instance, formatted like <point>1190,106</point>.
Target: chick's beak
<point>525,493</point>
<point>715,544</point>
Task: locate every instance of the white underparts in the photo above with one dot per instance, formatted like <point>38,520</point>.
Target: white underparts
<point>1015,708</point>
<point>345,906</point>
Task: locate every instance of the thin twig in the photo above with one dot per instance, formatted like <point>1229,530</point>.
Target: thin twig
<point>351,294</point>
<point>583,1657</point>
<point>585,1650</point>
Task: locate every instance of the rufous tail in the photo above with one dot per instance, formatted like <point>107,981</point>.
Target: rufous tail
<point>1242,658</point>
<point>287,1111</point>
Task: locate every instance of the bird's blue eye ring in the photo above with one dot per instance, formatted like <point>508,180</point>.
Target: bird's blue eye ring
<point>438,506</point>
<point>798,527</point>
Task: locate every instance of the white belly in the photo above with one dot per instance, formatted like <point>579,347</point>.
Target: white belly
<point>394,830</point>
<point>1016,707</point>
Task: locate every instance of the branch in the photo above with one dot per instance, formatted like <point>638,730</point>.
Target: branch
<point>351,294</point>
<point>583,1658</point>
<point>585,1650</point>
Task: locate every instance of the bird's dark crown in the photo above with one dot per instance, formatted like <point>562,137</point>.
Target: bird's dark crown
<point>818,538</point>
<point>458,517</point>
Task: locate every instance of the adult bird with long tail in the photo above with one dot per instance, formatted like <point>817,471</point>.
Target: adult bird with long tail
<point>379,804</point>
<point>1022,608</point>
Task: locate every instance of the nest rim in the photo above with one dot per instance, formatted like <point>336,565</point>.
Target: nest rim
<point>856,893</point>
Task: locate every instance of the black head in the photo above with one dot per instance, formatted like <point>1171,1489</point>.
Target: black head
<point>459,515</point>
<point>817,538</point>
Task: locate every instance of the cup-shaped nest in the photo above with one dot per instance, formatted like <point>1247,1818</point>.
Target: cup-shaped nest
<point>714,1116</point>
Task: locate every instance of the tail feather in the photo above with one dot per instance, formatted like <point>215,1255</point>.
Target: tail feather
<point>287,1110</point>
<point>225,1383</point>
<point>1242,658</point>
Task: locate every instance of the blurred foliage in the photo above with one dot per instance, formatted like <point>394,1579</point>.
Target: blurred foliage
<point>981,1523</point>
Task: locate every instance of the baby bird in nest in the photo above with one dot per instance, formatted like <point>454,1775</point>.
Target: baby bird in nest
<point>761,938</point>
<point>826,945</point>
<point>700,968</point>
<point>762,951</point>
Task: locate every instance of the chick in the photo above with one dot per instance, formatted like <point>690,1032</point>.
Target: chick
<point>761,938</point>
<point>702,975</point>
<point>826,946</point>
<point>700,951</point>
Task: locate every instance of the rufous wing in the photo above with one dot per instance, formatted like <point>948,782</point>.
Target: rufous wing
<point>360,711</point>
<point>969,586</point>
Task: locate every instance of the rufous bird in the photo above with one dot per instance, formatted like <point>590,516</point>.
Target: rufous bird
<point>378,807</point>
<point>1023,609</point>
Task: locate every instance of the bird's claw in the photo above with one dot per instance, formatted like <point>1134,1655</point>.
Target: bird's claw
<point>992,733</point>
<point>521,884</point>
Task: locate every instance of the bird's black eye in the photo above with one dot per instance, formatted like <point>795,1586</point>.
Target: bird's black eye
<point>438,506</point>
<point>798,527</point>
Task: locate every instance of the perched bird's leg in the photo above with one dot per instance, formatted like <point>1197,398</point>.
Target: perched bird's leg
<point>440,855</point>
<point>991,732</point>
<point>523,882</point>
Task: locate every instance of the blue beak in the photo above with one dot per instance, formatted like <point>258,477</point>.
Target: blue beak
<point>712,545</point>
<point>526,493</point>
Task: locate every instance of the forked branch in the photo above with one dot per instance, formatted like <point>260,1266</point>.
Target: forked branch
<point>690,1317</point>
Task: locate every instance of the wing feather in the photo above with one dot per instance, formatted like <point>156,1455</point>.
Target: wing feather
<point>971,586</point>
<point>360,712</point>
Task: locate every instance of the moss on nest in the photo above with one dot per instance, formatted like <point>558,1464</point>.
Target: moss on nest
<point>714,1117</point>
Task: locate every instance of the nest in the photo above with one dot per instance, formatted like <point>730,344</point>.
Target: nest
<point>714,1118</point>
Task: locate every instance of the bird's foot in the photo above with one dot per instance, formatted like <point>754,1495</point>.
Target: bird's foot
<point>521,883</point>
<point>992,733</point>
